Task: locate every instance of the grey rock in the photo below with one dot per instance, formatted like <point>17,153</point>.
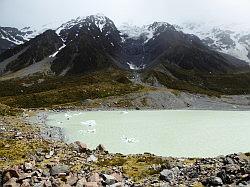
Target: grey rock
<point>119,184</point>
<point>81,147</point>
<point>28,166</point>
<point>167,175</point>
<point>59,169</point>
<point>92,158</point>
<point>224,177</point>
<point>100,148</point>
<point>11,183</point>
<point>12,173</point>
<point>81,182</point>
<point>24,176</point>
<point>72,180</point>
<point>229,160</point>
<point>25,183</point>
<point>109,179</point>
<point>90,184</point>
<point>232,168</point>
<point>47,183</point>
<point>94,178</point>
<point>215,181</point>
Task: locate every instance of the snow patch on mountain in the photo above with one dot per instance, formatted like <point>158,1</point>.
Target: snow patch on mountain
<point>134,67</point>
<point>54,54</point>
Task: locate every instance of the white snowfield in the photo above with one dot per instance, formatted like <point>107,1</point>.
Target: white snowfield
<point>241,49</point>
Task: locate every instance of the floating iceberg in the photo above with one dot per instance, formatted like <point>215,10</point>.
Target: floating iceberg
<point>124,112</point>
<point>89,123</point>
<point>125,139</point>
<point>78,114</point>
<point>59,122</point>
<point>67,116</point>
<point>89,131</point>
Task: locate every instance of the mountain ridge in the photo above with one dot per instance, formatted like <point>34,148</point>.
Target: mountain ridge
<point>94,42</point>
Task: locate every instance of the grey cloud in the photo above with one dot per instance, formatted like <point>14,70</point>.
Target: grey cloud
<point>22,13</point>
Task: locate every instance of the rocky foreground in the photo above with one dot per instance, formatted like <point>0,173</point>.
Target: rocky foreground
<point>29,159</point>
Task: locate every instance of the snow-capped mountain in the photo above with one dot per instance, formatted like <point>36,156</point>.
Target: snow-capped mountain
<point>147,32</point>
<point>230,39</point>
<point>10,36</point>
<point>93,43</point>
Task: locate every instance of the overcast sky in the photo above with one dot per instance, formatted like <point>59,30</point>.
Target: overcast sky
<point>22,13</point>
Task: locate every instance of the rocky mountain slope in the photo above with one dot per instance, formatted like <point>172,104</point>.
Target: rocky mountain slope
<point>93,43</point>
<point>10,36</point>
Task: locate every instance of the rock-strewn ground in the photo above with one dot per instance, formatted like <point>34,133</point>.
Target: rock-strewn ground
<point>28,159</point>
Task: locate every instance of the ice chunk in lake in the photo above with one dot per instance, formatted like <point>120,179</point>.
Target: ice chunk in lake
<point>78,114</point>
<point>59,122</point>
<point>125,139</point>
<point>89,131</point>
<point>89,123</point>
<point>67,116</point>
<point>92,131</point>
<point>124,112</point>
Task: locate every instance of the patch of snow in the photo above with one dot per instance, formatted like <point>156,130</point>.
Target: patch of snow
<point>54,54</point>
<point>134,67</point>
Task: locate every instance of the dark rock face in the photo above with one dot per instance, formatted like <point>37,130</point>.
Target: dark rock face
<point>5,45</point>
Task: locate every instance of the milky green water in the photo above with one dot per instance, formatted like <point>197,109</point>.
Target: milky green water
<point>166,133</point>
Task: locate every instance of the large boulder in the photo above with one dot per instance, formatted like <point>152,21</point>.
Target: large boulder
<point>214,181</point>
<point>59,169</point>
<point>8,174</point>
<point>81,147</point>
<point>81,182</point>
<point>11,183</point>
<point>92,158</point>
<point>28,166</point>
<point>167,175</point>
<point>95,178</point>
<point>101,148</point>
<point>108,179</point>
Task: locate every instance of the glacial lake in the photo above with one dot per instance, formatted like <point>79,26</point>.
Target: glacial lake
<point>176,133</point>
